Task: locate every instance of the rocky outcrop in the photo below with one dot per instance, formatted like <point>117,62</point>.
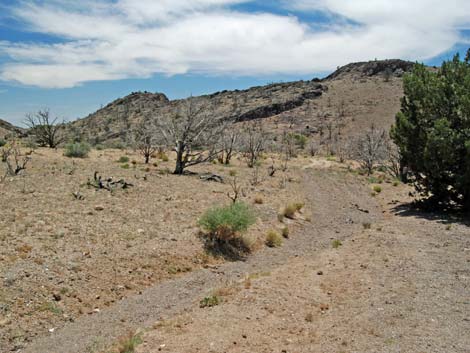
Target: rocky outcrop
<point>270,110</point>
<point>393,67</point>
<point>113,121</point>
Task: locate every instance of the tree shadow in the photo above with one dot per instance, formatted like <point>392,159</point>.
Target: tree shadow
<point>421,210</point>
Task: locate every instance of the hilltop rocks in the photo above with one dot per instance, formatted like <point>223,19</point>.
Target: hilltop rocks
<point>394,67</point>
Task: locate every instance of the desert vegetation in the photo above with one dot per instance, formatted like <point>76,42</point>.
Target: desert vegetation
<point>193,184</point>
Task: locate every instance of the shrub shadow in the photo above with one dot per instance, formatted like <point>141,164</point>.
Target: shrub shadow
<point>231,250</point>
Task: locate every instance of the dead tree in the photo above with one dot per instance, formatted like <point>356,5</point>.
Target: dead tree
<point>45,129</point>
<point>371,148</point>
<point>194,133</point>
<point>394,163</point>
<point>254,141</point>
<point>229,143</point>
<point>145,140</point>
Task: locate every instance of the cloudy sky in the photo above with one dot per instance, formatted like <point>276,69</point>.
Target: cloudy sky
<point>73,56</point>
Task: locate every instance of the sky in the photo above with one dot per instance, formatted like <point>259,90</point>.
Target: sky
<point>75,56</point>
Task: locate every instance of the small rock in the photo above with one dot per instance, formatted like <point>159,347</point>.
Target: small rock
<point>99,208</point>
<point>320,273</point>
<point>57,297</point>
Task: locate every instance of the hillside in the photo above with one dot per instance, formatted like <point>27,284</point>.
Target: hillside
<point>360,92</point>
<point>7,129</point>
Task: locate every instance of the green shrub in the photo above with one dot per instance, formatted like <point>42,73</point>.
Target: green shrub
<point>377,189</point>
<point>224,223</point>
<point>336,244</point>
<point>77,149</point>
<point>273,239</point>
<point>432,132</point>
<point>300,140</point>
<point>125,166</point>
<point>2,142</point>
<point>209,302</point>
<point>123,159</point>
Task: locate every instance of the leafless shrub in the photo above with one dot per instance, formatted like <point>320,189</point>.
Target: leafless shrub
<point>256,179</point>
<point>342,149</point>
<point>393,163</point>
<point>14,160</point>
<point>230,140</point>
<point>272,168</point>
<point>370,148</point>
<point>145,139</point>
<point>45,129</point>
<point>193,132</point>
<point>253,142</point>
<point>237,190</point>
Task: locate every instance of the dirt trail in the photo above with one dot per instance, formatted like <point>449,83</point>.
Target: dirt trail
<point>338,202</point>
<point>400,286</point>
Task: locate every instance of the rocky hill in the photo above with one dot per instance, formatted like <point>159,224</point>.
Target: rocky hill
<point>358,90</point>
<point>7,129</point>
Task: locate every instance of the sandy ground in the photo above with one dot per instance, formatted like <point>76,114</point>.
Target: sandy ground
<point>62,258</point>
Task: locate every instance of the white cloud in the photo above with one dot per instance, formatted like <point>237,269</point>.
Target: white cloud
<point>136,39</point>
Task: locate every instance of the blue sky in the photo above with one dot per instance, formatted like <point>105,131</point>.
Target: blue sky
<point>74,56</point>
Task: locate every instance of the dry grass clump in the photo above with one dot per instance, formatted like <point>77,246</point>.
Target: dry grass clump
<point>128,343</point>
<point>273,239</point>
<point>366,225</point>
<point>290,210</point>
<point>259,200</point>
<point>285,232</point>
<point>336,244</point>
<point>377,189</point>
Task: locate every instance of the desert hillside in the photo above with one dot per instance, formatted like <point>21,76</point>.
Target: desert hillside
<point>7,129</point>
<point>359,94</point>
